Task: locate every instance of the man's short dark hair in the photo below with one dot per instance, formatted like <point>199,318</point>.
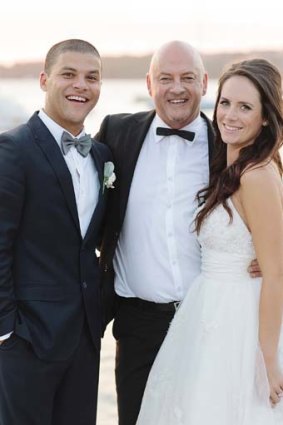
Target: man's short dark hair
<point>72,45</point>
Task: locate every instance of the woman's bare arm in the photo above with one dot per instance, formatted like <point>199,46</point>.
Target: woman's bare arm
<point>261,198</point>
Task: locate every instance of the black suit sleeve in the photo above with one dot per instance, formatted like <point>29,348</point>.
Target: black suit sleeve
<point>11,205</point>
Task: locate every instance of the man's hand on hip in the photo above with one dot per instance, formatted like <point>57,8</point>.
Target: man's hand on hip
<point>254,269</point>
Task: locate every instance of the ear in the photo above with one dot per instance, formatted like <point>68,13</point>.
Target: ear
<point>43,81</point>
<point>204,83</point>
<point>148,83</point>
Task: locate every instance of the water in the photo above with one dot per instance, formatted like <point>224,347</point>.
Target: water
<point>18,100</point>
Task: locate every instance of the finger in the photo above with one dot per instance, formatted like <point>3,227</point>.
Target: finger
<point>254,268</point>
<point>254,273</point>
<point>274,398</point>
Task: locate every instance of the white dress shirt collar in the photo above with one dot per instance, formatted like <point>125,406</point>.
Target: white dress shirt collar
<point>55,129</point>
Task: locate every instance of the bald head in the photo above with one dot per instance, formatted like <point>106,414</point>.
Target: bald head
<point>172,50</point>
<point>176,82</point>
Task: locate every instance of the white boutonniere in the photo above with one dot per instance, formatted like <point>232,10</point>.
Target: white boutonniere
<point>109,176</point>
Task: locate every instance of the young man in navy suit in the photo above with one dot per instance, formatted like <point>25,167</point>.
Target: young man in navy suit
<point>52,202</point>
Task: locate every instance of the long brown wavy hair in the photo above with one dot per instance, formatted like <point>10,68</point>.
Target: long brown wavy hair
<point>225,180</point>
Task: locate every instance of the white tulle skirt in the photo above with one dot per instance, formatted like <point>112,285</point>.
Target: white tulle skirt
<point>210,369</point>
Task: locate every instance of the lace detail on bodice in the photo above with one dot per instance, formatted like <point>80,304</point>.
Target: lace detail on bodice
<point>218,234</point>
<point>226,246</point>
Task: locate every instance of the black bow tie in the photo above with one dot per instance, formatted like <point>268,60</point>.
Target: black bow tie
<point>164,131</point>
<point>82,144</point>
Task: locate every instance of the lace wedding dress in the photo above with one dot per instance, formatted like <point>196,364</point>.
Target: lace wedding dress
<point>210,370</point>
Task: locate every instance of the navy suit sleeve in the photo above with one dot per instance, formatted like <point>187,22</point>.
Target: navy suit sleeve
<point>105,156</point>
<point>11,205</point>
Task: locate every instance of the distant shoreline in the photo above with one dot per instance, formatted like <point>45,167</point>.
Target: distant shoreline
<point>134,67</point>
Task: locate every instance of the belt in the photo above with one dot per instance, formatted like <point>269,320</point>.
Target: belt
<point>150,305</point>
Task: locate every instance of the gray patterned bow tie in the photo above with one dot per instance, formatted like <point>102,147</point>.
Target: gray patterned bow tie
<point>82,144</point>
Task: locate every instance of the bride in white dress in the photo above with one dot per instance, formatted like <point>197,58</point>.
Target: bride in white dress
<point>221,362</point>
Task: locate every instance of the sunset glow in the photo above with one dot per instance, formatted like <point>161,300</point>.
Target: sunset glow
<point>27,30</point>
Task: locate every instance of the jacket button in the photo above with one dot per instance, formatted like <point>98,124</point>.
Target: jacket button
<point>84,284</point>
<point>106,268</point>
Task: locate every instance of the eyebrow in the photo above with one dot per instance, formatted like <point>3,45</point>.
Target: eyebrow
<point>184,73</point>
<point>69,68</point>
<point>241,102</point>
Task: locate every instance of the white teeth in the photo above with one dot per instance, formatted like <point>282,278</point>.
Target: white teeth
<point>77,98</point>
<point>177,101</point>
<point>232,128</point>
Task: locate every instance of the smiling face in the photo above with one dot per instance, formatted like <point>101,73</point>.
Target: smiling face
<point>72,89</point>
<point>239,113</point>
<point>176,82</point>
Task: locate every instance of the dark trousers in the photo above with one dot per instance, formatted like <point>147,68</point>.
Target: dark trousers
<point>37,392</point>
<point>139,334</point>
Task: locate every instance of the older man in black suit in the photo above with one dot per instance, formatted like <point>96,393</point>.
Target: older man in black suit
<point>162,159</point>
<point>52,202</point>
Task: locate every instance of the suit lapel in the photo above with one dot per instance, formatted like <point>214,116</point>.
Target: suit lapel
<point>99,165</point>
<point>131,150</point>
<point>55,158</point>
<point>210,136</point>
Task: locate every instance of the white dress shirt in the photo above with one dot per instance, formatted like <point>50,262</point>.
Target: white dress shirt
<point>158,255</point>
<point>84,176</point>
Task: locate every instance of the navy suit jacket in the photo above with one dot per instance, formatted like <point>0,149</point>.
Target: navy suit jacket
<point>49,275</point>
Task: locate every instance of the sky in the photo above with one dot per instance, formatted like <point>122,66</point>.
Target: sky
<point>28,28</point>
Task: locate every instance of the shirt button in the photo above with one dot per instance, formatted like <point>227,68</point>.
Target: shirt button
<point>84,284</point>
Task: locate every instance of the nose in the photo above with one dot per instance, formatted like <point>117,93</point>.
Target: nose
<point>231,113</point>
<point>177,87</point>
<point>80,82</point>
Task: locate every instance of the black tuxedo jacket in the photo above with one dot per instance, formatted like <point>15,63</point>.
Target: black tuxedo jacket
<point>49,275</point>
<point>124,134</point>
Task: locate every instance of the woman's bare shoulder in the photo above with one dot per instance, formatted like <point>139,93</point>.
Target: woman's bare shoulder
<point>264,176</point>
